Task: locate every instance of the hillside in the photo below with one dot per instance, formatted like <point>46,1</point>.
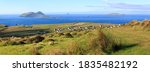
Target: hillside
<point>76,39</point>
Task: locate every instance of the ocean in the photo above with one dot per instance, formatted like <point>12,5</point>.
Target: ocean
<point>12,20</point>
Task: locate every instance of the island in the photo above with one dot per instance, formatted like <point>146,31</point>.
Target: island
<point>115,14</point>
<point>38,14</point>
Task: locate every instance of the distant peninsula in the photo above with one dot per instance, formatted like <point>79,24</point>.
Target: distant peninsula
<point>115,14</point>
<point>38,14</point>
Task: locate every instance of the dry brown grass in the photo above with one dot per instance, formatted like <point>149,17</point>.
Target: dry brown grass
<point>144,25</point>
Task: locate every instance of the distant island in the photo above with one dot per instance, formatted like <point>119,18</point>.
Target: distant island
<point>115,14</point>
<point>38,14</point>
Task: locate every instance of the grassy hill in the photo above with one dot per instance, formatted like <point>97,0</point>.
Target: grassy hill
<point>76,39</point>
<point>143,25</point>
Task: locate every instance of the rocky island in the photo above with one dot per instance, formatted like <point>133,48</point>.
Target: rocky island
<point>38,14</point>
<point>115,14</point>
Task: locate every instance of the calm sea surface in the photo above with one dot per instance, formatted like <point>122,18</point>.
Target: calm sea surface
<point>12,20</point>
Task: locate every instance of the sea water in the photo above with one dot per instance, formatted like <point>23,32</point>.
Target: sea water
<point>12,20</point>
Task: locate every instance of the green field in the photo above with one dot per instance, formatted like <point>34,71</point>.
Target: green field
<point>134,41</point>
<point>84,39</point>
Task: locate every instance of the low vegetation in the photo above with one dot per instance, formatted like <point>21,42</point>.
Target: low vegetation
<point>76,39</point>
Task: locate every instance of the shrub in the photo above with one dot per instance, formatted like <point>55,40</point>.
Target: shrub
<point>68,35</point>
<point>116,45</point>
<point>51,35</point>
<point>34,39</point>
<point>73,33</point>
<point>75,49</point>
<point>109,43</point>
<point>12,42</point>
<point>4,43</point>
<point>94,47</point>
<point>19,41</point>
<point>96,42</point>
<point>35,50</point>
<point>58,34</point>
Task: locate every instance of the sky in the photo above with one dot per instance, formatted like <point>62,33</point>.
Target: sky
<point>75,6</point>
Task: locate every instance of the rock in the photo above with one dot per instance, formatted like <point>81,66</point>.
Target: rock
<point>38,14</point>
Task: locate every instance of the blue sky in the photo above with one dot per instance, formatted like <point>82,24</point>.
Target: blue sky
<point>75,6</point>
